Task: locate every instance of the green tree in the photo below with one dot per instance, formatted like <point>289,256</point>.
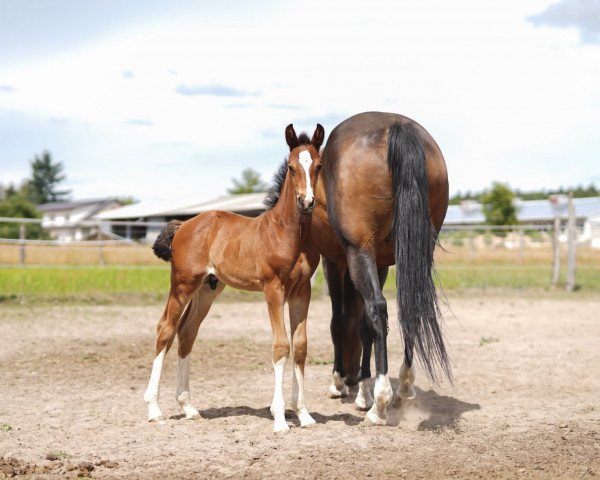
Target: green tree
<point>498,205</point>
<point>7,191</point>
<point>45,177</point>
<point>249,183</point>
<point>18,206</point>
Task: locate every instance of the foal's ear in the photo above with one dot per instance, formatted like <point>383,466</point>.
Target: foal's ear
<point>318,136</point>
<point>290,137</point>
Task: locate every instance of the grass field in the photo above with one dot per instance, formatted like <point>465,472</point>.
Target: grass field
<point>151,284</point>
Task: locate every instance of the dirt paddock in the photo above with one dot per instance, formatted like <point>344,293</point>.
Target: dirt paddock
<point>525,401</point>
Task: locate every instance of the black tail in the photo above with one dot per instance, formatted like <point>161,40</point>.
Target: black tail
<point>162,245</point>
<point>415,240</point>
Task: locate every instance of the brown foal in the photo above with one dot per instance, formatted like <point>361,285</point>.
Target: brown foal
<point>269,253</point>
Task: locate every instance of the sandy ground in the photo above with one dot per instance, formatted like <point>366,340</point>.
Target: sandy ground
<point>525,403</point>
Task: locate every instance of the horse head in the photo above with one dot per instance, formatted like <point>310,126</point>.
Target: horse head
<point>304,164</point>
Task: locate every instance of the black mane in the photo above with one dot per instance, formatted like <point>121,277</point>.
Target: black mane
<point>279,177</point>
<point>276,185</point>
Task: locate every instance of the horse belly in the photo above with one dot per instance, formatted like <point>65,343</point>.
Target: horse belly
<point>232,261</point>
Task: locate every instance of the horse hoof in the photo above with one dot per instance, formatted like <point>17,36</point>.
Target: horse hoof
<point>334,392</point>
<point>364,399</point>
<point>281,428</point>
<point>190,412</point>
<point>154,413</point>
<point>374,419</point>
<point>404,396</point>
<point>306,420</point>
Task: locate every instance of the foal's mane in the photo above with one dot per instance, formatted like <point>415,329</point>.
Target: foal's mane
<point>274,191</point>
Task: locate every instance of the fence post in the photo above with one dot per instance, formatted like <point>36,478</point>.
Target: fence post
<point>101,259</point>
<point>22,244</point>
<point>572,246</point>
<point>471,243</point>
<point>521,240</point>
<point>556,252</point>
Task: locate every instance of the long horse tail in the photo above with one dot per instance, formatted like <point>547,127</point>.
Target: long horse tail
<point>162,245</point>
<point>415,239</point>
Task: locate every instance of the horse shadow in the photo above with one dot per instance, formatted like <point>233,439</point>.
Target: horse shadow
<point>244,410</point>
<point>442,412</point>
<point>433,412</point>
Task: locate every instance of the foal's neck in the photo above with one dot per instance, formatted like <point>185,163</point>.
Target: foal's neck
<point>285,212</point>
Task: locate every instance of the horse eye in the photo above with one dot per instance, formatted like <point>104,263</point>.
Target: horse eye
<point>291,169</point>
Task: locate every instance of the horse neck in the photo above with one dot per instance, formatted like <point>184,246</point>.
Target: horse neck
<point>286,212</point>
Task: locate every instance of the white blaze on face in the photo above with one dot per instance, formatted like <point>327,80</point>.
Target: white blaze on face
<point>306,160</point>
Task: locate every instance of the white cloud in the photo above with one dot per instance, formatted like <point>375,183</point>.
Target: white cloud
<point>497,93</point>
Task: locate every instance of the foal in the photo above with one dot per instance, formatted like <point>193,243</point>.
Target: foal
<point>268,253</point>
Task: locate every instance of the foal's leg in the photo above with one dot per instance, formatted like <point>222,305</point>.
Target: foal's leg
<point>275,296</point>
<point>165,333</point>
<point>298,307</point>
<point>334,274</point>
<point>186,335</point>
<point>363,272</point>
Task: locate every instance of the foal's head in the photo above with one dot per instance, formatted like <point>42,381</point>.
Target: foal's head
<point>304,164</point>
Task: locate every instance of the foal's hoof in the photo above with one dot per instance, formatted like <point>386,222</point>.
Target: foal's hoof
<point>281,428</point>
<point>190,412</point>
<point>306,420</point>
<point>335,392</point>
<point>154,413</point>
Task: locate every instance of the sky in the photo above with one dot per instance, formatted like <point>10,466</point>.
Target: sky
<point>171,100</point>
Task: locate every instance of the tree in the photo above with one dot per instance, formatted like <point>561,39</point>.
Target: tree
<point>498,206</point>
<point>45,177</point>
<point>8,191</point>
<point>18,206</point>
<point>250,183</point>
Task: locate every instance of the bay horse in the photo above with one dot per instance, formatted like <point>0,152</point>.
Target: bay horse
<point>381,200</point>
<point>269,253</point>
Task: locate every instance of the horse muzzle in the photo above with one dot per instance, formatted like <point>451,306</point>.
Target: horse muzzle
<point>306,205</point>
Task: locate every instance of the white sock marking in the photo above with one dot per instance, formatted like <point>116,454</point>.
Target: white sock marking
<point>298,400</point>
<point>337,388</point>
<point>383,394</point>
<point>364,399</point>
<point>278,404</point>
<point>152,392</point>
<point>183,387</point>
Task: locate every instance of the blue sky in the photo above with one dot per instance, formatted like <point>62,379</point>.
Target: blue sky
<point>172,99</point>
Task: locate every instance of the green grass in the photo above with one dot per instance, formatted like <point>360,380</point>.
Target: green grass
<point>82,282</point>
<point>505,276</point>
<point>151,284</point>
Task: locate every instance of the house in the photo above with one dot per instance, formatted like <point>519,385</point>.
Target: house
<point>143,221</point>
<point>74,220</point>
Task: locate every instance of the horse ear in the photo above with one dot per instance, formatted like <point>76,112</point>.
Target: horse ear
<point>290,137</point>
<point>318,136</point>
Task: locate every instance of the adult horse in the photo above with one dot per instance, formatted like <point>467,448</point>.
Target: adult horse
<point>269,253</point>
<point>381,200</point>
